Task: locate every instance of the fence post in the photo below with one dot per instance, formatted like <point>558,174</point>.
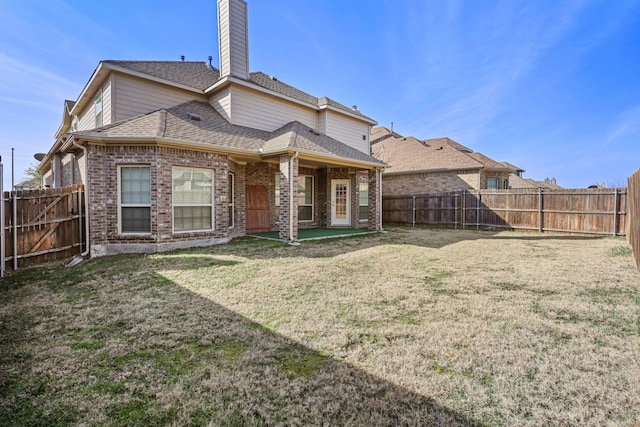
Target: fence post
<point>80,218</point>
<point>455,210</point>
<point>479,198</point>
<point>15,229</point>
<point>464,208</point>
<point>540,211</point>
<point>615,212</point>
<point>413,217</point>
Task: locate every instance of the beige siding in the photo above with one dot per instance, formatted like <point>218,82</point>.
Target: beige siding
<point>134,96</point>
<point>267,113</point>
<point>87,117</point>
<point>347,130</point>
<point>234,55</point>
<point>222,103</point>
<point>106,103</point>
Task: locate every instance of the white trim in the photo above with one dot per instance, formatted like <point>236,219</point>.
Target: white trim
<point>359,201</point>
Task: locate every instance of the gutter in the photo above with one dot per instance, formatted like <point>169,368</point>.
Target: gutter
<point>86,194</point>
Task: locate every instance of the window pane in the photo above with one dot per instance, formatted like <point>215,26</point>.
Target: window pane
<point>192,187</point>
<point>135,185</point>
<point>364,213</point>
<point>188,218</point>
<point>364,194</point>
<point>305,213</point>
<point>492,184</point>
<point>277,189</point>
<point>305,190</point>
<point>136,220</point>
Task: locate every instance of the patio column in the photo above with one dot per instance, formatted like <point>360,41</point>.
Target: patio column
<point>288,201</point>
<point>375,200</point>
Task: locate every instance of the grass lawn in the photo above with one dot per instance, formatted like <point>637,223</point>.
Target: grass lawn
<point>412,327</point>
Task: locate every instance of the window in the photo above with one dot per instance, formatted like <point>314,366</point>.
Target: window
<point>134,199</point>
<point>305,198</point>
<point>192,199</point>
<point>277,191</point>
<point>232,199</point>
<point>492,183</point>
<point>97,102</point>
<point>364,201</point>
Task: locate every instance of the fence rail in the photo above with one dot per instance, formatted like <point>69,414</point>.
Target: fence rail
<point>592,211</point>
<point>42,225</point>
<point>634,215</point>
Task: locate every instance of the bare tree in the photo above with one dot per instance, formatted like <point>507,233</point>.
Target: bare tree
<point>31,178</point>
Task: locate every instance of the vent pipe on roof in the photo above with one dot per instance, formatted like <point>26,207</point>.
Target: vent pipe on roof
<point>210,58</point>
<point>182,58</point>
<point>391,127</point>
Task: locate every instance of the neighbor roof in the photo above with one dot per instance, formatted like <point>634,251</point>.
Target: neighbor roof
<point>199,122</point>
<point>412,155</point>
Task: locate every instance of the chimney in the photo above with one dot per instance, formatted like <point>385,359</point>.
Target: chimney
<point>554,182</point>
<point>233,36</point>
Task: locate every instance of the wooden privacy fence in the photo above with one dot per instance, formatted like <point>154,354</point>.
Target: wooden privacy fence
<point>589,211</point>
<point>43,225</point>
<point>633,233</point>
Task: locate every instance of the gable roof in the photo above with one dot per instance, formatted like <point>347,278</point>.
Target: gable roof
<point>198,122</point>
<point>512,167</point>
<point>487,162</point>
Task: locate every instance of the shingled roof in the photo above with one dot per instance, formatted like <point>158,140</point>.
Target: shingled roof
<point>409,154</point>
<point>199,122</point>
<point>197,75</point>
<point>412,155</point>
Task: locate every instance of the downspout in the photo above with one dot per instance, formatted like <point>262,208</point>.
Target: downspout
<point>295,156</point>
<point>380,200</point>
<point>86,195</point>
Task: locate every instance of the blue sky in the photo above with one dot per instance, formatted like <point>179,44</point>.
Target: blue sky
<point>551,86</point>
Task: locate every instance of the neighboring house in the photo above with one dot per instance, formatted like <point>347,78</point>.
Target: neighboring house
<point>518,181</point>
<point>433,165</point>
<point>178,154</point>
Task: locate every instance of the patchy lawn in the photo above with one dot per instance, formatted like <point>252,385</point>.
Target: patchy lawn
<point>412,327</point>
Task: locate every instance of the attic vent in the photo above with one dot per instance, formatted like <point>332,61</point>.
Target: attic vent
<point>194,117</point>
<point>439,148</point>
<point>274,78</point>
<point>314,132</point>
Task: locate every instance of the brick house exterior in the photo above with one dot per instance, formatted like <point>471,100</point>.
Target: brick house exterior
<point>433,165</point>
<point>178,154</point>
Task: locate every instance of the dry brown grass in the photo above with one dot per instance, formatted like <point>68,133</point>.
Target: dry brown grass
<point>412,327</point>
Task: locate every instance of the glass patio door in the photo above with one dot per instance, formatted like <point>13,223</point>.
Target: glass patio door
<point>340,202</point>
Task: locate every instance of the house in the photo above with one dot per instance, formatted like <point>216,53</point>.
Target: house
<point>433,165</point>
<point>518,181</point>
<point>177,153</point>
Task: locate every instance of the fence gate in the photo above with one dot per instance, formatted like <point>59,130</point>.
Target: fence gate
<point>43,225</point>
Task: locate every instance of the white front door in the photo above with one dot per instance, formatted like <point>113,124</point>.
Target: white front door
<point>340,202</point>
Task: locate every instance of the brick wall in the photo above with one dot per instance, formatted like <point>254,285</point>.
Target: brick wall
<point>103,198</point>
<point>422,183</point>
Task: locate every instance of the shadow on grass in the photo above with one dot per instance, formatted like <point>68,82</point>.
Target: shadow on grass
<point>149,352</point>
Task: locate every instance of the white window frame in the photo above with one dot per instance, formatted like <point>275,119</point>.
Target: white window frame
<point>302,178</point>
<point>133,205</point>
<point>360,204</point>
<point>212,204</point>
<point>98,105</point>
<point>232,199</point>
